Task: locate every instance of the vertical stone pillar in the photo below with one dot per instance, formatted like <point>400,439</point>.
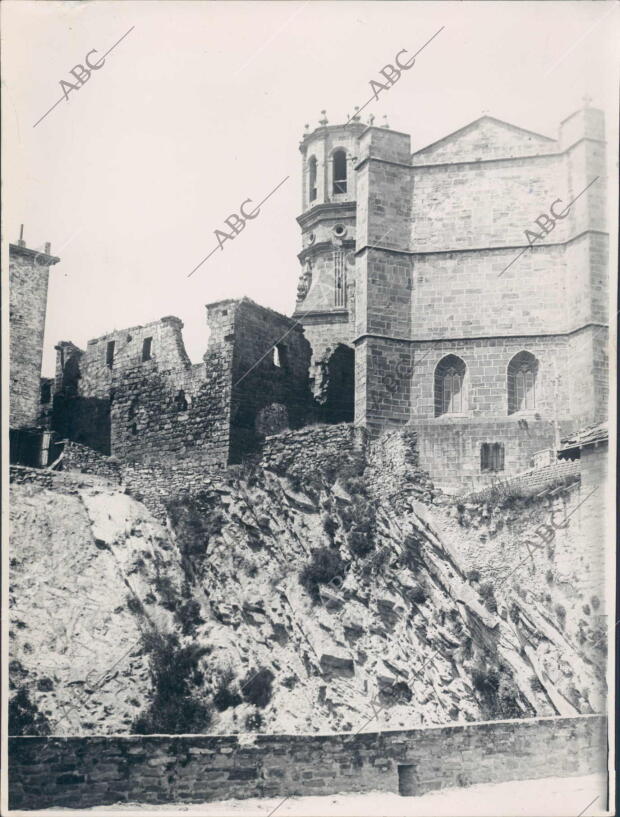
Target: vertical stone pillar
<point>582,137</point>
<point>28,279</point>
<point>383,351</point>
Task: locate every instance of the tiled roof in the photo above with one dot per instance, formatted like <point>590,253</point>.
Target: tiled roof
<point>585,436</point>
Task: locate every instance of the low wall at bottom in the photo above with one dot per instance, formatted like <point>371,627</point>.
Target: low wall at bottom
<point>78,772</point>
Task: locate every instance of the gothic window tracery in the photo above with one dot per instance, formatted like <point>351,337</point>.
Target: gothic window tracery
<point>450,386</point>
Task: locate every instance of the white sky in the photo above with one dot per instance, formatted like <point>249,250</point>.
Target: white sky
<point>203,105</point>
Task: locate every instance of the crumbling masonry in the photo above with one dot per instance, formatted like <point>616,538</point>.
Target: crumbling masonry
<point>421,302</point>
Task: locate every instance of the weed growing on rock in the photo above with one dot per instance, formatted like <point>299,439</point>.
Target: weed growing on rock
<point>175,708</point>
<point>24,716</point>
<point>257,688</point>
<point>325,564</point>
<point>226,695</point>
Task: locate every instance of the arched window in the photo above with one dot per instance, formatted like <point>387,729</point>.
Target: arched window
<point>312,178</point>
<point>339,165</point>
<point>180,401</point>
<point>449,386</point>
<point>521,382</point>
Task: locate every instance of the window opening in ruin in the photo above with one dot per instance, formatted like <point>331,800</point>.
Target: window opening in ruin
<point>181,401</point>
<point>312,178</point>
<point>132,408</point>
<point>45,447</point>
<point>279,355</point>
<point>109,353</point>
<point>339,164</point>
<point>340,279</point>
<point>522,372</point>
<point>147,345</point>
<point>46,392</point>
<point>134,429</point>
<point>338,386</point>
<point>491,457</point>
<point>449,386</point>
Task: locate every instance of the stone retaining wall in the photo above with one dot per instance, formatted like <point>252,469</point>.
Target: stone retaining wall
<point>80,772</point>
<point>153,484</point>
<point>312,448</point>
<point>77,457</point>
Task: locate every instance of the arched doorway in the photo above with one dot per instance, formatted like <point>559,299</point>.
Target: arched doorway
<point>339,377</point>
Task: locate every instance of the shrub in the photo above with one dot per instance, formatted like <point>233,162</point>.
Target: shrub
<point>254,721</point>
<point>596,602</point>
<point>361,537</point>
<point>167,591</point>
<point>195,521</point>
<point>360,542</point>
<point>560,612</point>
<point>418,594</point>
<point>226,695</point>
<point>175,708</point>
<point>486,590</point>
<point>330,525</point>
<point>586,609</point>
<point>535,684</point>
<point>325,564</point>
<point>257,687</point>
<point>188,615</point>
<point>473,575</point>
<point>485,682</point>
<point>24,716</point>
<point>134,605</point>
<point>549,576</point>
<point>488,594</point>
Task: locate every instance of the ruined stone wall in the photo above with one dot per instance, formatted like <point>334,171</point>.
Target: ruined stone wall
<point>80,772</point>
<point>394,467</point>
<point>28,280</point>
<point>311,449</point>
<point>76,457</point>
<point>270,367</point>
<point>154,484</point>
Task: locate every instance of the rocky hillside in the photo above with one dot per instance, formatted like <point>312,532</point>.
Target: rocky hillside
<point>273,604</point>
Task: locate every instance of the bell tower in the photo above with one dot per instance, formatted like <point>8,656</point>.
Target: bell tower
<point>326,292</point>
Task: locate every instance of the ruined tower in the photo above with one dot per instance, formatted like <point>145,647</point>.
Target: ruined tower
<point>28,279</point>
<point>326,292</point>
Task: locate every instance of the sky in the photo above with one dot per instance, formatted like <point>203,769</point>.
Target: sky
<point>202,105</point>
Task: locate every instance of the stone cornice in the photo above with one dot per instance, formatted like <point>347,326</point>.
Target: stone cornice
<point>467,339</point>
<point>501,248</point>
<point>331,209</point>
<point>367,159</point>
<point>47,260</point>
<point>527,156</point>
<point>324,246</point>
